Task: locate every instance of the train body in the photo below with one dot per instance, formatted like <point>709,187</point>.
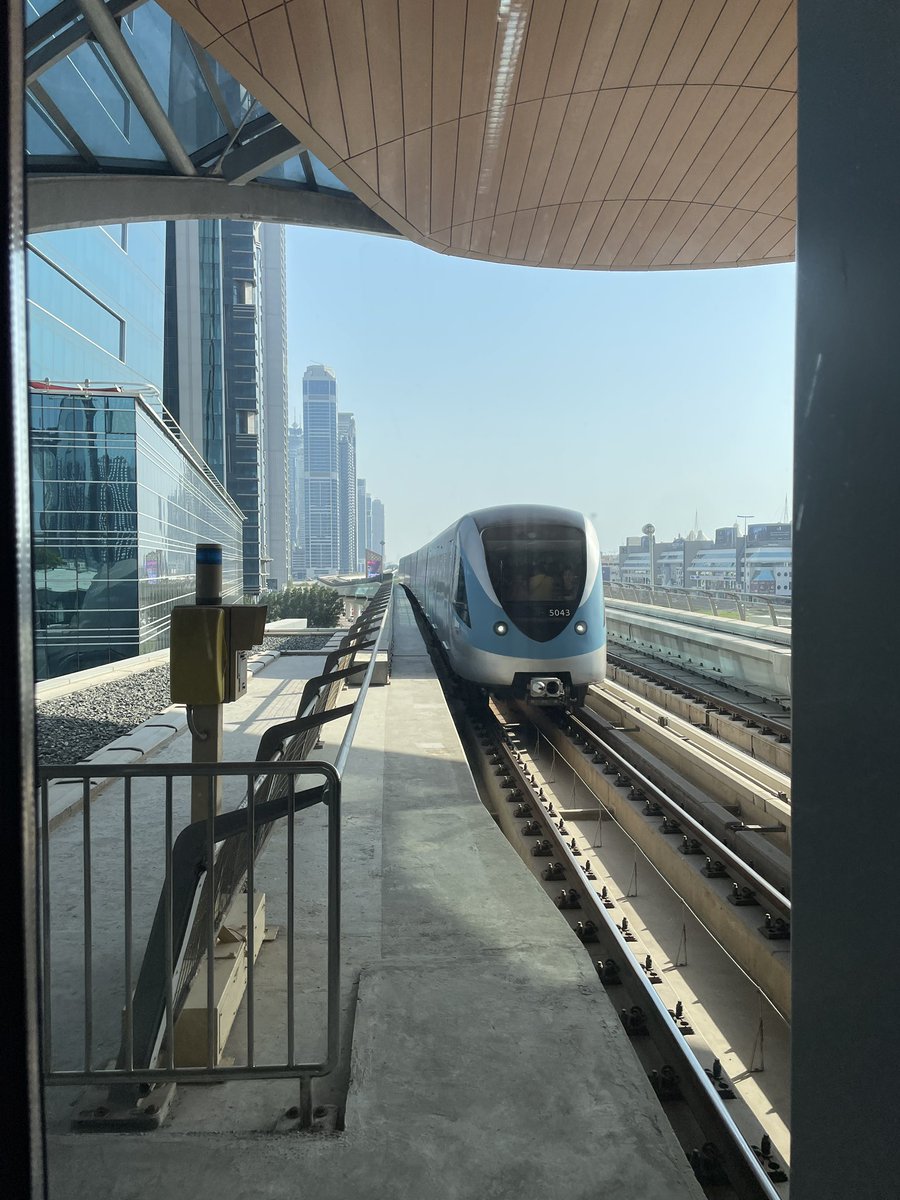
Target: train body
<point>515,596</point>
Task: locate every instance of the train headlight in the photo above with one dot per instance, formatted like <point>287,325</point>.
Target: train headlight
<point>581,626</point>
<point>501,628</point>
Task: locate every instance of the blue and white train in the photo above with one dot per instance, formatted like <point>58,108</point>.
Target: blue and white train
<point>515,596</point>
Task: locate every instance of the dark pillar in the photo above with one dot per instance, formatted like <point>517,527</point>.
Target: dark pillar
<point>20,1098</point>
<point>846,1140</point>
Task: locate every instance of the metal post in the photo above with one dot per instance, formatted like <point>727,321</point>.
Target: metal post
<point>23,1143</point>
<point>847,429</point>
<point>207,727</point>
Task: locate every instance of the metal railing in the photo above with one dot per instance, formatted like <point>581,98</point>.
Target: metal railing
<point>203,869</point>
<point>716,602</point>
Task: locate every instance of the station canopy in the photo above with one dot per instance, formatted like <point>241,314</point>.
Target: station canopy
<point>591,134</point>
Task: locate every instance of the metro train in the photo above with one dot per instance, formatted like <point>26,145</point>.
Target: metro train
<point>515,596</point>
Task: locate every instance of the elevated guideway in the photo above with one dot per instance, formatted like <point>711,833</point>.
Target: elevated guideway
<point>480,1052</point>
<point>751,657</point>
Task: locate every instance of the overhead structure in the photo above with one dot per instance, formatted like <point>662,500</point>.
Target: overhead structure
<point>597,134</point>
<point>128,119</point>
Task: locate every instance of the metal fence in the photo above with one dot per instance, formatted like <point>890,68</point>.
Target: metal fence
<point>717,602</point>
<point>204,865</point>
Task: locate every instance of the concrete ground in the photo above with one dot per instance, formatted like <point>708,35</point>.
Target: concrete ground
<point>481,1055</point>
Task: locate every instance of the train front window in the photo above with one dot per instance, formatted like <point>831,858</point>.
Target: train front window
<point>538,574</point>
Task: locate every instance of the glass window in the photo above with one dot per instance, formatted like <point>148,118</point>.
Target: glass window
<point>538,573</point>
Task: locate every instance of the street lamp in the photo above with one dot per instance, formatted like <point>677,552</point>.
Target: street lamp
<point>648,531</point>
<point>745,517</point>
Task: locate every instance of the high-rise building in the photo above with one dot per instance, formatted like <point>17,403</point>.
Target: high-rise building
<point>225,373</point>
<point>378,527</point>
<point>361,544</point>
<point>244,372</point>
<point>370,545</point>
<point>120,495</point>
<point>274,402</point>
<point>297,502</point>
<point>193,371</point>
<point>347,488</point>
<point>320,465</point>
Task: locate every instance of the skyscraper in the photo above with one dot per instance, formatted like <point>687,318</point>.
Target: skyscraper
<point>297,502</point>
<point>361,544</point>
<point>244,412</point>
<point>347,481</point>
<point>274,402</point>
<point>378,527</point>
<point>320,464</point>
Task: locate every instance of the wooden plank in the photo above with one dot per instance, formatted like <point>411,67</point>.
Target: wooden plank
<point>752,42</point>
<point>578,111</point>
<point>443,172</point>
<point>776,52</point>
<point>627,119</point>
<point>571,43</point>
<point>415,63</point>
<point>660,41</point>
<point>599,46</point>
<point>543,27</point>
<point>635,27</point>
<point>277,60</point>
<point>348,41</point>
<point>468,160</point>
<point>229,986</point>
<point>546,137</point>
<point>721,40</point>
<point>383,41</point>
<point>312,44</point>
<point>697,27</point>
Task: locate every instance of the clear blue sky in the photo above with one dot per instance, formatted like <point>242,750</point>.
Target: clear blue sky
<point>636,397</point>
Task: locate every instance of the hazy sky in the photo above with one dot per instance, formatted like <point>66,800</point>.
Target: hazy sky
<point>636,397</point>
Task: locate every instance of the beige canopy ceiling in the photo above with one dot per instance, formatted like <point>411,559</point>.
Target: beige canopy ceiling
<point>600,134</point>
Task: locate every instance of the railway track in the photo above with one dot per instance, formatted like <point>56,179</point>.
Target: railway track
<point>717,1131</point>
<point>760,727</point>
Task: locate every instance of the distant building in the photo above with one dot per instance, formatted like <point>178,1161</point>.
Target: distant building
<point>120,499</point>
<point>361,543</point>
<point>297,502</point>
<point>320,466</point>
<point>347,491</point>
<point>274,402</point>
<point>378,528</point>
<point>369,542</point>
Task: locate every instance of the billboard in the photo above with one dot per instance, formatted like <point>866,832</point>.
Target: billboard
<point>373,564</point>
<point>725,536</point>
<point>769,535</point>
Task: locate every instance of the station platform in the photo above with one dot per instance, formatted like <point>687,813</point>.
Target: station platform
<point>481,1056</point>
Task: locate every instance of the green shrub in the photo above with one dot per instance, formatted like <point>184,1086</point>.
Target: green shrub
<point>319,604</point>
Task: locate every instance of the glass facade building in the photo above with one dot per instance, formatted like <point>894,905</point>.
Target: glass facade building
<point>347,481</point>
<point>119,501</point>
<point>320,467</point>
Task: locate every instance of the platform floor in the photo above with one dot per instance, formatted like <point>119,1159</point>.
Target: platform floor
<point>482,1057</point>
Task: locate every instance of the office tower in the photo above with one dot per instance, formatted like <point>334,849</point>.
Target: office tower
<point>274,402</point>
<point>369,543</point>
<point>378,528</point>
<point>347,487</point>
<point>361,546</point>
<point>120,495</point>
<point>245,465</point>
<point>320,467</point>
<point>193,371</point>
<point>297,503</point>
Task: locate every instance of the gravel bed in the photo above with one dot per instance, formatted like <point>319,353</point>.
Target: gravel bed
<point>296,641</point>
<point>69,728</point>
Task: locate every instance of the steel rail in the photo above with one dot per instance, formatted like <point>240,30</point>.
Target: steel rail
<point>745,1172</point>
<point>772,896</point>
<point>722,703</point>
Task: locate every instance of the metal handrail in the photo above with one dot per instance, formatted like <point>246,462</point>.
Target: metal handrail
<point>177,943</point>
